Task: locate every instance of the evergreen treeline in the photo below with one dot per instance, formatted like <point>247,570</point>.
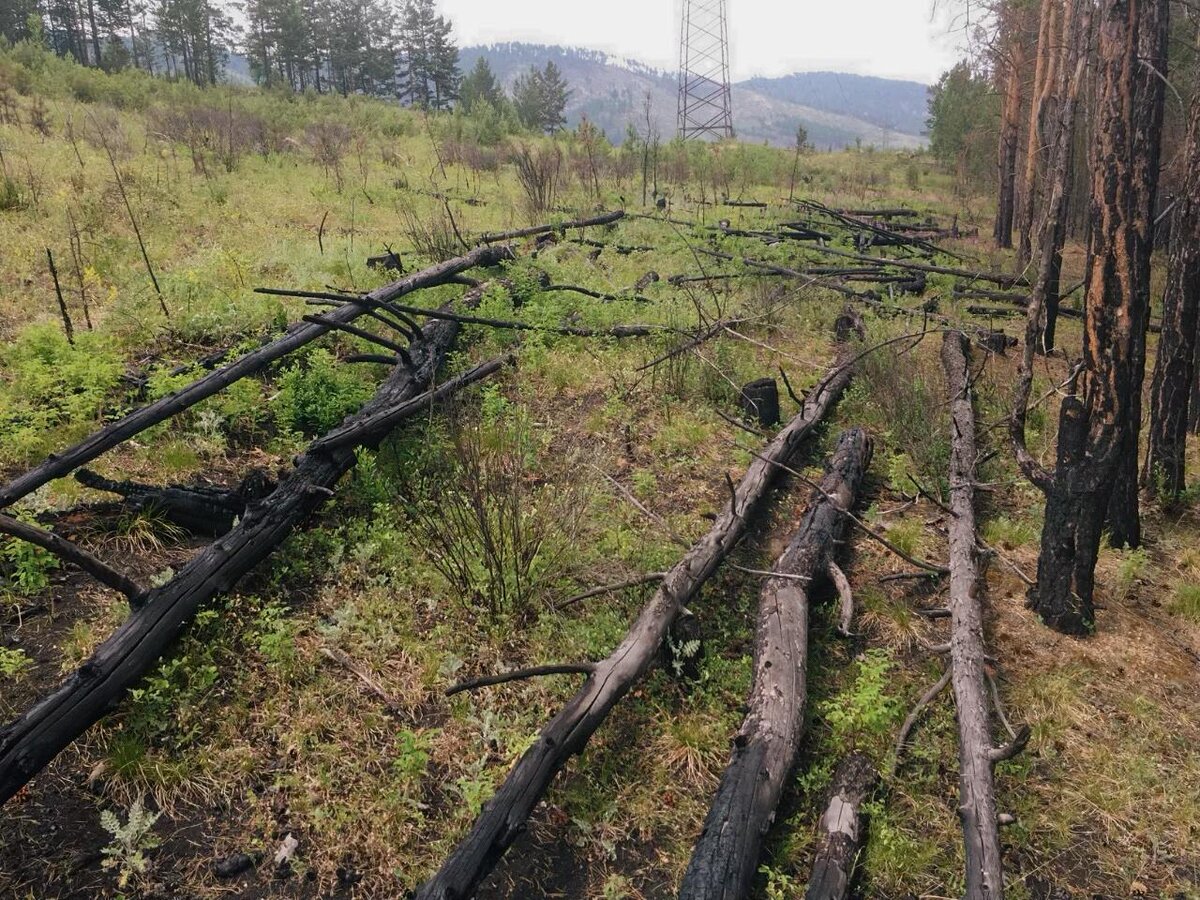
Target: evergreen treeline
<point>390,48</point>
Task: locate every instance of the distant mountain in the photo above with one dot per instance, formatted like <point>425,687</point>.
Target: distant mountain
<point>895,105</point>
<point>837,110</point>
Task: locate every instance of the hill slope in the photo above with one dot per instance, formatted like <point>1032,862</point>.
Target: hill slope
<point>837,110</point>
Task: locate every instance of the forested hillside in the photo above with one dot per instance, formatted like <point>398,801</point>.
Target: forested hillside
<point>431,496</point>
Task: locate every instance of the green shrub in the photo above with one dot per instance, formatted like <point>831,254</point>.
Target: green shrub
<point>316,393</point>
<point>1186,601</point>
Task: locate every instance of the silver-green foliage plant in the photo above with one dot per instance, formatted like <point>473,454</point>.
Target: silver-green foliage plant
<point>130,843</point>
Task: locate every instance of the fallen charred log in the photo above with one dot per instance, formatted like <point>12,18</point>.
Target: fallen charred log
<point>842,831</point>
<point>564,736</point>
<point>999,278</point>
<point>41,732</point>
<point>764,750</point>
<point>500,236</point>
<point>64,463</point>
<point>201,509</point>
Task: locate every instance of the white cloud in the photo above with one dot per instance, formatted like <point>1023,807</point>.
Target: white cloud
<point>892,38</point>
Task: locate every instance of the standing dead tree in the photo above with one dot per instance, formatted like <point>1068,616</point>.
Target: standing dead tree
<point>1145,137</point>
<point>976,756</point>
<point>1056,137</point>
<point>764,750</point>
<point>1010,65</point>
<point>32,740</point>
<point>1041,96</point>
<point>1174,366</point>
<point>1092,430</point>
<point>564,736</point>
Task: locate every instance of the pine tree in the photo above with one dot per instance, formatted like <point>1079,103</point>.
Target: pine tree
<point>540,97</point>
<point>480,86</point>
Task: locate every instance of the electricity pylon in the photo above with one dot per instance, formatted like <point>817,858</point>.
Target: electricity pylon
<point>705,100</point>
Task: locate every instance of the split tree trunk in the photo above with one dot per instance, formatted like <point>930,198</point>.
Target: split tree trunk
<point>505,815</point>
<point>842,830</point>
<point>1174,368</point>
<point>1149,93</point>
<point>764,750</point>
<point>64,463</point>
<point>976,788</point>
<point>41,732</point>
<point>1044,80</point>
<point>1091,434</point>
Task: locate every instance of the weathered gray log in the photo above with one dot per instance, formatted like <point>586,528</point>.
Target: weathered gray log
<point>977,792</point>
<point>505,815</point>
<point>764,750</point>
<point>41,732</point>
<point>64,463</point>
<point>201,509</point>
<point>842,831</point>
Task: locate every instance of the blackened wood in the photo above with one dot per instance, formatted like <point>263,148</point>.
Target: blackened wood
<point>760,401</point>
<point>31,741</point>
<point>1174,367</point>
<point>1115,321</point>
<point>1149,93</point>
<point>201,509</point>
<point>61,464</point>
<point>1011,58</point>
<point>1000,278</point>
<point>605,219</point>
<point>976,788</point>
<point>564,736</point>
<point>764,750</point>
<point>842,831</point>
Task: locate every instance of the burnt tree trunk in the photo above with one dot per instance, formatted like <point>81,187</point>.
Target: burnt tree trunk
<point>976,788</point>
<point>1014,62</point>
<point>1088,463</point>
<point>1174,367</point>
<point>41,732</point>
<point>764,750</point>
<point>842,831</point>
<point>566,735</point>
<point>64,463</point>
<point>1149,91</point>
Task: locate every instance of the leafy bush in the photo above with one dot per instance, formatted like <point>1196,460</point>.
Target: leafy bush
<point>316,393</point>
<point>865,711</point>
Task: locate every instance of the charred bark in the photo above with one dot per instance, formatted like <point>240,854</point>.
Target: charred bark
<point>1014,60</point>
<point>201,509</point>
<point>566,735</point>
<point>976,788</point>
<point>764,750</point>
<point>1044,79</point>
<point>1174,368</point>
<point>1149,92</point>
<point>41,732</point>
<point>64,463</point>
<point>842,831</point>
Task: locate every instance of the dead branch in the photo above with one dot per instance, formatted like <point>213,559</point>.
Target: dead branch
<point>584,668</point>
<point>74,554</point>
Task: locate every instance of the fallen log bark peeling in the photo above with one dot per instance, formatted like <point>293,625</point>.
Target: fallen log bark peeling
<point>842,831</point>
<point>977,792</point>
<point>566,735</point>
<point>41,732</point>
<point>764,750</point>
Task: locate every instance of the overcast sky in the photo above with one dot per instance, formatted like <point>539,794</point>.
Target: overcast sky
<point>892,38</point>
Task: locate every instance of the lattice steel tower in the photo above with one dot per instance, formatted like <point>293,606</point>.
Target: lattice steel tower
<point>705,100</point>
